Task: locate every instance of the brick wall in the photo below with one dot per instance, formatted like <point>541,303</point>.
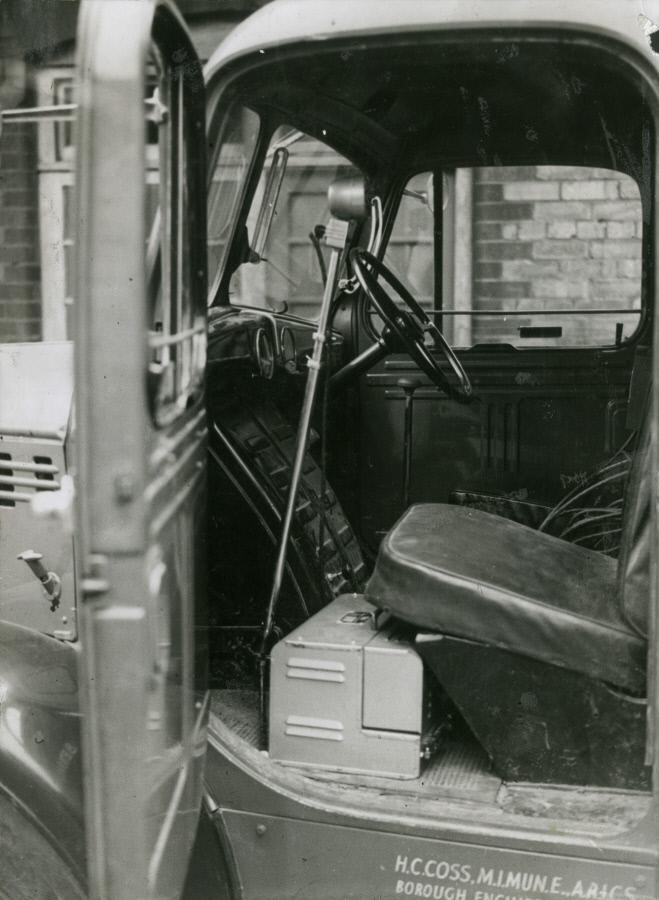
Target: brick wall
<point>32,29</point>
<point>556,237</point>
<point>20,295</point>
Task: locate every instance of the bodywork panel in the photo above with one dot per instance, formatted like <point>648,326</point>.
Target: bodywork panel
<point>35,437</point>
<point>142,434</point>
<point>274,853</point>
<point>40,749</point>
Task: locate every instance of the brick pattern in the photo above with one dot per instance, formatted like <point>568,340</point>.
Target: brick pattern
<point>20,273</point>
<point>555,237</point>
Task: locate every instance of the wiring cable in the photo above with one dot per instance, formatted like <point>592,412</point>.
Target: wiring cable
<point>583,514</point>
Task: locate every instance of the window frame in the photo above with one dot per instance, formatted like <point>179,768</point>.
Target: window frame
<point>177,347</point>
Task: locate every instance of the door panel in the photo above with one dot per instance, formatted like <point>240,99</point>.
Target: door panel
<point>140,348</point>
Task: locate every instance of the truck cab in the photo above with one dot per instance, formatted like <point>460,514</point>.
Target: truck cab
<point>103,463</point>
<point>464,696</point>
<point>328,507</point>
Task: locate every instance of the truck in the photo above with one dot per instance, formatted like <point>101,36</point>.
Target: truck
<point>328,470</point>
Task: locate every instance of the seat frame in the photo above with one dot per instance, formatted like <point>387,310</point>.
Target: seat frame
<point>540,644</point>
<point>540,723</point>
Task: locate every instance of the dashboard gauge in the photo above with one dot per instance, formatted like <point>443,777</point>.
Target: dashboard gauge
<point>265,354</point>
<point>288,349</point>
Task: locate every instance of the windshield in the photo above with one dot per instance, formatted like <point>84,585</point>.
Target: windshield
<point>280,260</point>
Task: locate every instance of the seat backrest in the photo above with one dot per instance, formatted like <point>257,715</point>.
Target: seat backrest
<point>634,557</point>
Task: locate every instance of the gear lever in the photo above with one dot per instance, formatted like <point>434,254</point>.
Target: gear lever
<point>408,386</point>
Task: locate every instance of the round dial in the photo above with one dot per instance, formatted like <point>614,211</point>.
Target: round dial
<point>288,349</point>
<point>265,354</point>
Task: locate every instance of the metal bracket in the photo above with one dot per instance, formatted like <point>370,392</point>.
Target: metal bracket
<point>95,581</point>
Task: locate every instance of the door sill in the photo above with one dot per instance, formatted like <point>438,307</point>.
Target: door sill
<point>455,784</point>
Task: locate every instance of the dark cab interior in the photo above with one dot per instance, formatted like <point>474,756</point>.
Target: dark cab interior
<point>488,487</point>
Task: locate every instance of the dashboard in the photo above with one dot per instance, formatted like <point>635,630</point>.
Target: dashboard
<point>266,344</point>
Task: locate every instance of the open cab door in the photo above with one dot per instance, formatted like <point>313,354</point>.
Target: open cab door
<point>140,355</point>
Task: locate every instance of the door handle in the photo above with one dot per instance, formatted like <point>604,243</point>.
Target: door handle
<point>51,583</point>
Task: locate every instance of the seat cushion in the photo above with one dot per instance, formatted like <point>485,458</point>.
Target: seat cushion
<point>468,573</point>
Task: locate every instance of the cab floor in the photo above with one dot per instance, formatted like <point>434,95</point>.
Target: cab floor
<point>458,772</point>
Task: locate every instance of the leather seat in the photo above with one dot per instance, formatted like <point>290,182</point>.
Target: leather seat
<point>539,643</point>
<point>468,573</point>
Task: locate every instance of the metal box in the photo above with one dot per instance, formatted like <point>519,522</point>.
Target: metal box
<point>347,695</point>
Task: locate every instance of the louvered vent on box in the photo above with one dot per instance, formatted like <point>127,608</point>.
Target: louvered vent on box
<point>20,479</point>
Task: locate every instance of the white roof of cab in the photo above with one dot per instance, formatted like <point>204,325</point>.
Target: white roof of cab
<point>290,21</point>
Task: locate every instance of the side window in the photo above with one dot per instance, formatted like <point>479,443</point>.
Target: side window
<point>527,256</point>
<point>174,259</point>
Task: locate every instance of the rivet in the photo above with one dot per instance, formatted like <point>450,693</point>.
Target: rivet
<point>124,487</point>
<point>261,830</point>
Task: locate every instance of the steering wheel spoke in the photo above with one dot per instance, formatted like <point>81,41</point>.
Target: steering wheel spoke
<point>410,325</point>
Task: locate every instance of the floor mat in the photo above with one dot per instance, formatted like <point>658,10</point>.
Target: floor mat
<point>239,710</point>
<point>458,768</point>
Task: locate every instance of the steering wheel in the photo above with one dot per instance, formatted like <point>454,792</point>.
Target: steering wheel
<point>410,325</point>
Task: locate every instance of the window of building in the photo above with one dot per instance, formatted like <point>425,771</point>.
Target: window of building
<point>54,171</point>
<point>35,193</point>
